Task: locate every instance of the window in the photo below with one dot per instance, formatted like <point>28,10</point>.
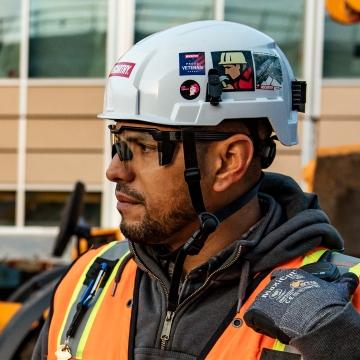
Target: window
<point>9,38</point>
<point>341,49</point>
<point>67,38</point>
<point>155,15</point>
<point>44,208</point>
<point>7,207</point>
<point>283,20</point>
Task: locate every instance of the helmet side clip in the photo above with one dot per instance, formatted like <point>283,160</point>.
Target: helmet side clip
<point>214,88</point>
<point>298,90</point>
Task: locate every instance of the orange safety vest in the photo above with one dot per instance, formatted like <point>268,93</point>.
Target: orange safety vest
<point>104,333</point>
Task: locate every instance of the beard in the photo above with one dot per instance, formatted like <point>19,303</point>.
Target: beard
<point>158,225</point>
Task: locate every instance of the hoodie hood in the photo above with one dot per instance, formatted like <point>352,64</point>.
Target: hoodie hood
<point>293,225</point>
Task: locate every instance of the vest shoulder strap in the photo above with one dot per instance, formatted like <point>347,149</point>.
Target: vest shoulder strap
<point>105,267</point>
<point>335,262</point>
<point>344,262</point>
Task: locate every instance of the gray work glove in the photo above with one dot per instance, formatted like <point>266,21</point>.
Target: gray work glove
<point>296,302</point>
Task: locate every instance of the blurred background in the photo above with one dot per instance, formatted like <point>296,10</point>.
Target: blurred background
<point>54,57</point>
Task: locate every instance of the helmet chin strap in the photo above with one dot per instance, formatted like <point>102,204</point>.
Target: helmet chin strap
<point>208,221</point>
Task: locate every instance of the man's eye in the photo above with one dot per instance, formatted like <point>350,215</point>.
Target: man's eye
<point>147,147</point>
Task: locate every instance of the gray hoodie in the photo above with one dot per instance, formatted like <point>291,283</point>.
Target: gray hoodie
<point>292,224</point>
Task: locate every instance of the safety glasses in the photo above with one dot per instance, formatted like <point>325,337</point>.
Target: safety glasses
<point>130,142</point>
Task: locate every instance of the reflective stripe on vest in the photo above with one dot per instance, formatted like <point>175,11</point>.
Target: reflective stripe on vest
<point>313,256</point>
<point>355,269</point>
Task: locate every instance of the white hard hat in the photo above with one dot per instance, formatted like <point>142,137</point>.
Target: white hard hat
<point>152,81</point>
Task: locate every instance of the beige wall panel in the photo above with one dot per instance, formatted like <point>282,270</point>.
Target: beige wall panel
<point>341,132</point>
<point>64,168</point>
<point>288,164</point>
<point>65,134</point>
<point>9,103</point>
<point>340,101</point>
<point>8,134</point>
<point>8,165</point>
<point>65,100</point>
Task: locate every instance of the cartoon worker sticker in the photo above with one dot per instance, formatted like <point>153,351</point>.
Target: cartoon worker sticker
<point>268,72</point>
<point>235,69</point>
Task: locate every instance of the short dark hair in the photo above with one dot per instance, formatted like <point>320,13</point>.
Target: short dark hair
<point>259,128</point>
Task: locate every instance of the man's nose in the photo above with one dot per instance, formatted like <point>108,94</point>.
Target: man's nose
<point>119,170</point>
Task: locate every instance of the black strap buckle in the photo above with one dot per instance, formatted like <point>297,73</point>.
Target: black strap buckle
<point>323,270</point>
<point>208,224</point>
<point>192,174</point>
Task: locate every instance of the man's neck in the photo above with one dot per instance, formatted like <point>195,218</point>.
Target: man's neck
<point>228,231</point>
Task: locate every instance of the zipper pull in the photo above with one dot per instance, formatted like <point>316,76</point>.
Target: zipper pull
<point>165,334</point>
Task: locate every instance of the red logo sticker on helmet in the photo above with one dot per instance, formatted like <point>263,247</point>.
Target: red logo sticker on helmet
<point>190,89</point>
<point>122,69</point>
<point>236,69</point>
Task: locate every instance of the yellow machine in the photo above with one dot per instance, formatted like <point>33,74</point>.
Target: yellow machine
<point>335,177</point>
<point>344,11</point>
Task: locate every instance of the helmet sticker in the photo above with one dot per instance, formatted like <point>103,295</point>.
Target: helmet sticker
<point>268,72</point>
<point>122,69</point>
<point>235,69</point>
<point>190,89</point>
<point>192,63</point>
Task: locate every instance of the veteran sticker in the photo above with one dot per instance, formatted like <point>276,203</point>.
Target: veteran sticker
<point>190,89</point>
<point>192,63</point>
<point>122,69</point>
<point>235,69</point>
<point>268,72</point>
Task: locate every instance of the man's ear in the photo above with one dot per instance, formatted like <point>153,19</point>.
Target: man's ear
<point>233,158</point>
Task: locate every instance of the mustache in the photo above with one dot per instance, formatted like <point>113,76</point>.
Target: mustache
<point>125,189</point>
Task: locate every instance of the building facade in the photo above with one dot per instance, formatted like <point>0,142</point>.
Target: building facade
<point>54,57</point>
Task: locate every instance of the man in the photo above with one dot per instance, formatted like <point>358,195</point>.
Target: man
<point>204,243</point>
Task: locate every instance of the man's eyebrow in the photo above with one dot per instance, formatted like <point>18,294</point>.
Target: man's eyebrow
<point>138,137</point>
